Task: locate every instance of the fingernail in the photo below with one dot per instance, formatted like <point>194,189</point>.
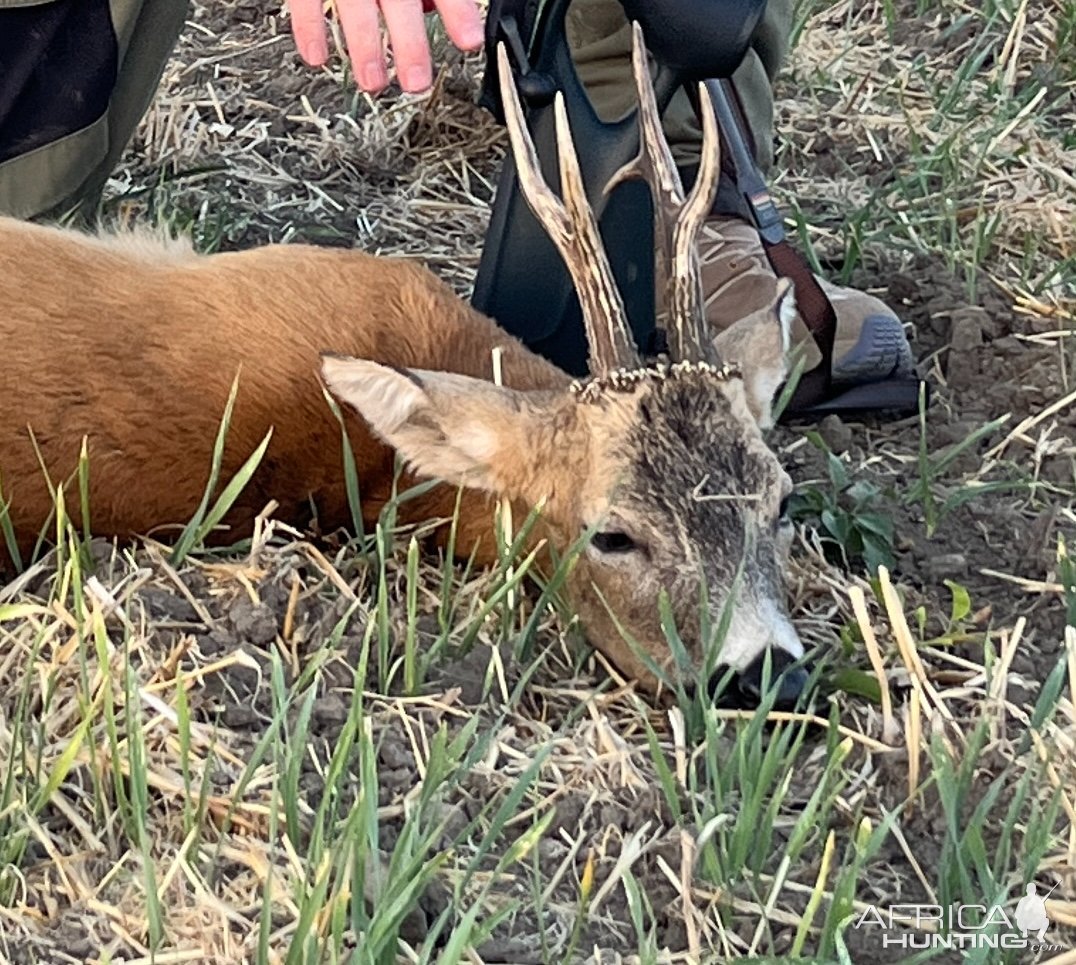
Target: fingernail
<point>372,77</point>
<point>316,52</point>
<point>416,79</point>
<point>473,36</point>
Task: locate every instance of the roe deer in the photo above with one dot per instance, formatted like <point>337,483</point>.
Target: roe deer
<point>133,344</point>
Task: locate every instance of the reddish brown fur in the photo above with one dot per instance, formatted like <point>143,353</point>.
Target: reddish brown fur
<point>135,345</point>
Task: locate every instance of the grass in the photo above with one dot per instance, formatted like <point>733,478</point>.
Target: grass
<point>356,751</point>
<point>957,151</point>
<point>207,517</point>
<point>116,766</point>
<point>123,792</point>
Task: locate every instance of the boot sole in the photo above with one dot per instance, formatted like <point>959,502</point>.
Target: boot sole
<point>881,352</point>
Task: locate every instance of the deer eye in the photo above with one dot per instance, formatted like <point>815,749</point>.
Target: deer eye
<point>782,511</point>
<point>613,541</point>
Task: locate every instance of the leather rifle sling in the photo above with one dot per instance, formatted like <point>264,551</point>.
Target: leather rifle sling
<point>811,301</point>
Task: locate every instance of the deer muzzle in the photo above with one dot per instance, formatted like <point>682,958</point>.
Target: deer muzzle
<point>746,689</point>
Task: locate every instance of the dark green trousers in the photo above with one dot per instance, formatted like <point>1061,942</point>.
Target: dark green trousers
<point>600,38</point>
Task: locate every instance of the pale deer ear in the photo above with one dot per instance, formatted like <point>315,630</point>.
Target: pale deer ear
<point>445,426</point>
<point>761,345</point>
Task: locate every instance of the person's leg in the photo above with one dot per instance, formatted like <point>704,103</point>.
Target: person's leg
<point>870,341</point>
<point>76,76</point>
<point>600,38</point>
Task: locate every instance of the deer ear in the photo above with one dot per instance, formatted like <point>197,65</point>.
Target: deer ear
<point>761,345</point>
<point>446,426</point>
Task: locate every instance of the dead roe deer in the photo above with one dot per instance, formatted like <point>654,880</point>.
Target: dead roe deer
<point>133,344</point>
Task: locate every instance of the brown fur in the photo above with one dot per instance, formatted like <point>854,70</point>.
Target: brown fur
<point>134,344</point>
<point>673,461</point>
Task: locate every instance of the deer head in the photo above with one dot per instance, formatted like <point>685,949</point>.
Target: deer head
<point>663,466</point>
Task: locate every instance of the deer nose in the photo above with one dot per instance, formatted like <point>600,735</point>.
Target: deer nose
<point>786,678</point>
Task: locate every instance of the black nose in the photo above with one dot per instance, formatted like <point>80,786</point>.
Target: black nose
<point>744,690</point>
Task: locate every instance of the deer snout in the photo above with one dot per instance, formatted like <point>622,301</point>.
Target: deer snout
<point>759,632</point>
<point>787,678</point>
<point>745,690</point>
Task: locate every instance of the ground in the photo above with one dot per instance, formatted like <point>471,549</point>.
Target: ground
<point>300,750</point>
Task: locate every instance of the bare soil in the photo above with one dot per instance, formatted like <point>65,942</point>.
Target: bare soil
<point>245,146</point>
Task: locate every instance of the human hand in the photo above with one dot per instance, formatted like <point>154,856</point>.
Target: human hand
<point>406,28</point>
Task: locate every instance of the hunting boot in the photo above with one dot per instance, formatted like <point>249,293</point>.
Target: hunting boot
<point>870,343</point>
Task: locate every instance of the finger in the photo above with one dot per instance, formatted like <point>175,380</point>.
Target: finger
<point>362,31</point>
<point>308,28</point>
<point>463,23</point>
<point>410,48</point>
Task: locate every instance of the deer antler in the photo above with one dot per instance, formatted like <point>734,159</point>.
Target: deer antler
<point>676,221</point>
<point>573,229</point>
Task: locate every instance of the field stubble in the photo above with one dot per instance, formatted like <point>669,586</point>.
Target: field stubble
<point>300,752</point>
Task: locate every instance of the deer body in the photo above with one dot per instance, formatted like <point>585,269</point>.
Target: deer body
<point>658,468</point>
<point>133,342</point>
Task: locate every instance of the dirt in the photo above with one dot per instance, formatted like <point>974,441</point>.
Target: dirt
<point>980,355</point>
<point>982,363</point>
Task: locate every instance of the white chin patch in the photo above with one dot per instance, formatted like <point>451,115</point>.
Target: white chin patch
<point>754,629</point>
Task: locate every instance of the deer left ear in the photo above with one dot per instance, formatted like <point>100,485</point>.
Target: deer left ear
<point>446,426</point>
<point>761,345</point>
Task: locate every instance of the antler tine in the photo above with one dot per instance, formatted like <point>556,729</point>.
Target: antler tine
<point>686,291</point>
<point>676,221</point>
<point>572,227</point>
<point>654,164</point>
